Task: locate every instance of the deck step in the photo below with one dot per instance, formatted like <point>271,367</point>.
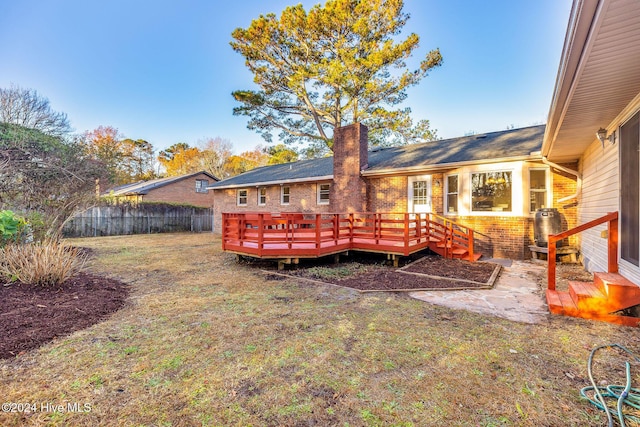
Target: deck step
<point>560,302</point>
<point>621,292</point>
<point>588,297</point>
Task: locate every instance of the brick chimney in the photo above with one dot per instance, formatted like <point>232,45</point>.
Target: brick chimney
<point>349,190</point>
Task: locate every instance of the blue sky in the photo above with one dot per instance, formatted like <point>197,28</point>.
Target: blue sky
<point>164,71</point>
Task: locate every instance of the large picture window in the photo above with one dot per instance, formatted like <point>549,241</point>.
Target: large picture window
<point>537,189</point>
<point>452,194</point>
<point>491,191</point>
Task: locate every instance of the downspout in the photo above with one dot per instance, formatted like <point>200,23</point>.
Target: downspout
<point>577,174</point>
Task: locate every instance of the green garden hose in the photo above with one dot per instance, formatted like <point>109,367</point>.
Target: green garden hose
<point>624,395</point>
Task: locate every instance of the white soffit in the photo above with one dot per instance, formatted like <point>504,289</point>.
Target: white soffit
<point>606,81</point>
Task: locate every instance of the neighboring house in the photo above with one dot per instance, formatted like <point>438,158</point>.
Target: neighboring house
<point>189,189</point>
<point>598,87</point>
<point>492,183</point>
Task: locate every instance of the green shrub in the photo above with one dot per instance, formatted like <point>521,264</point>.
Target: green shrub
<point>42,264</point>
<point>12,227</point>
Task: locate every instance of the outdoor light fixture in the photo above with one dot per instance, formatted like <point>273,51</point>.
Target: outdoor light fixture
<point>602,135</point>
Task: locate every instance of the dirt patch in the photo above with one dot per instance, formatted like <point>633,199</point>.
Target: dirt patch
<point>31,315</point>
<point>452,268</point>
<point>429,272</point>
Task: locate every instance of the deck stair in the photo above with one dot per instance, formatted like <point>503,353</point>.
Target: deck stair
<point>599,300</point>
<point>608,294</point>
<point>451,240</point>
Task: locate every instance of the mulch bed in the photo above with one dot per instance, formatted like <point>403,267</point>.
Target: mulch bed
<point>33,315</point>
<point>431,272</point>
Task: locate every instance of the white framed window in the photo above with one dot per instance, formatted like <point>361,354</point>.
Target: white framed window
<point>323,193</point>
<point>242,196</point>
<point>538,194</point>
<point>419,193</point>
<point>201,185</point>
<point>452,194</point>
<point>491,191</point>
<point>262,196</point>
<point>285,194</point>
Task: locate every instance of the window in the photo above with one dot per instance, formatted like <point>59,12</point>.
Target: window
<point>420,192</point>
<point>285,193</point>
<point>323,194</point>
<point>537,189</point>
<point>491,191</point>
<point>262,196</point>
<point>201,185</point>
<point>452,194</point>
<point>242,197</point>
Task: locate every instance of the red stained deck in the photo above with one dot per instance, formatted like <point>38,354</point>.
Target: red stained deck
<point>311,235</point>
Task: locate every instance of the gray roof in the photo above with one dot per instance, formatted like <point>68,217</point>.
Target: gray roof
<point>493,146</point>
<point>143,187</point>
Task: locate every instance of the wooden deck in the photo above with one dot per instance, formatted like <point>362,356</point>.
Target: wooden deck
<point>311,235</point>
<point>607,296</point>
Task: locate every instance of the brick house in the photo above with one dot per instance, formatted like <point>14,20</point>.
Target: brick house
<point>192,189</point>
<point>492,183</point>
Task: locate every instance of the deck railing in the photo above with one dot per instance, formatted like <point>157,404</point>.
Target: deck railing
<point>612,245</point>
<point>266,234</point>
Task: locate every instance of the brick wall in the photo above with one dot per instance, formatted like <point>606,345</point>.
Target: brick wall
<point>565,185</point>
<point>349,189</point>
<point>302,198</point>
<point>387,194</point>
<point>182,191</point>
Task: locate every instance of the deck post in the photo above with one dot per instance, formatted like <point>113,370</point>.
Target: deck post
<point>551,263</point>
<point>318,232</point>
<point>242,228</point>
<point>472,258</point>
<point>612,245</point>
<point>224,231</point>
<point>351,228</point>
<point>406,233</point>
<point>260,233</point>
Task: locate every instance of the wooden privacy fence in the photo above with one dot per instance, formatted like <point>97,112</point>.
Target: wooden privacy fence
<point>141,219</point>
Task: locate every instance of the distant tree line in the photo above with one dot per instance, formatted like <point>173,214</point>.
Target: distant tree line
<point>48,173</point>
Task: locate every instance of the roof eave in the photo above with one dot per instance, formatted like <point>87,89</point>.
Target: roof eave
<point>274,182</point>
<point>452,165</point>
<point>577,39</point>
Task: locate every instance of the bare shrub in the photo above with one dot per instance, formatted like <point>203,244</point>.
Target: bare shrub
<point>48,263</point>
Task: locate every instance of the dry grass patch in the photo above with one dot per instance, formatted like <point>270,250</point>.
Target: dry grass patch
<point>207,341</point>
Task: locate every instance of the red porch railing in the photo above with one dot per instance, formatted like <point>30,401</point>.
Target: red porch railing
<point>294,234</point>
<point>612,245</point>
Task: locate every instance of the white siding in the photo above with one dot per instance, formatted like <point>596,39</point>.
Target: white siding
<point>599,196</point>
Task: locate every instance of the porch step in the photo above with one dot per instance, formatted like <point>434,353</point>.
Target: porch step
<point>588,297</point>
<point>563,303</point>
<point>621,292</point>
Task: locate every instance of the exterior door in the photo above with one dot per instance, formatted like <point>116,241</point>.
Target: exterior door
<point>420,194</point>
<point>630,191</point>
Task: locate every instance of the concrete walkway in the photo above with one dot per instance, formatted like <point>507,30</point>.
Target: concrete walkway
<point>515,296</point>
